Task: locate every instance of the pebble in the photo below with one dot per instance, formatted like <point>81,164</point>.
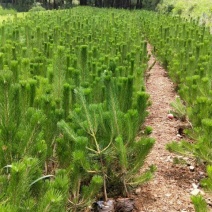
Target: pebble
<point>169,159</point>
<point>179,136</point>
<point>195,192</point>
<point>191,168</point>
<point>138,191</point>
<point>202,173</point>
<point>195,186</point>
<point>170,116</point>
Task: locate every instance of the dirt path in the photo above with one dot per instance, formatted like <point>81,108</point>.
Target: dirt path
<point>169,190</point>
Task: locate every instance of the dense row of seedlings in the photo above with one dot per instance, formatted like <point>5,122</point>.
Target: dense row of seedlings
<point>72,101</point>
<point>185,49</point>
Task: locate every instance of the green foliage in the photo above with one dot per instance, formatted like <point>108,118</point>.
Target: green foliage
<point>199,203</point>
<point>105,128</point>
<point>200,10</point>
<point>179,109</point>
<point>150,4</point>
<point>182,148</point>
<point>24,183</point>
<point>206,183</point>
<point>148,130</point>
<point>71,105</point>
<point>37,7</point>
<point>7,11</point>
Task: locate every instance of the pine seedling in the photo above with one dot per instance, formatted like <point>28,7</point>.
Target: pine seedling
<point>207,129</point>
<point>133,153</point>
<point>81,196</point>
<point>22,174</point>
<point>182,148</point>
<point>55,192</point>
<point>179,110</point>
<point>88,122</point>
<point>1,60</point>
<point>59,70</point>
<point>148,130</point>
<point>8,127</point>
<point>30,132</point>
<point>15,70</point>
<point>200,204</point>
<point>83,62</point>
<point>130,126</point>
<point>3,37</point>
<point>141,105</point>
<point>198,111</point>
<point>25,69</point>
<point>51,201</point>
<point>32,92</point>
<point>66,100</point>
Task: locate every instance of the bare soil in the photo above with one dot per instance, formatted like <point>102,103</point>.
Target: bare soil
<point>170,189</point>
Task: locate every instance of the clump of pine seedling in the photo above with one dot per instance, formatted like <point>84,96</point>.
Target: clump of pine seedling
<point>72,102</point>
<point>148,130</point>
<point>200,204</point>
<point>109,148</point>
<point>179,109</point>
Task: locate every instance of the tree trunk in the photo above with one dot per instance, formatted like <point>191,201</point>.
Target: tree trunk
<point>83,2</point>
<point>127,4</point>
<point>139,4</point>
<point>98,3</point>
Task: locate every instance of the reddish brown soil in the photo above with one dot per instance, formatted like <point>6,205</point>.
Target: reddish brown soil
<point>169,190</point>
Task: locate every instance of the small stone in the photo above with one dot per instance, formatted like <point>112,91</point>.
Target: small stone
<point>138,190</point>
<point>169,159</point>
<point>202,173</point>
<point>191,168</point>
<point>195,192</point>
<point>179,136</point>
<point>179,202</point>
<point>168,195</point>
<point>170,116</point>
<point>195,186</point>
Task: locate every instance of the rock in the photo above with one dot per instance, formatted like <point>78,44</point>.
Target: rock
<point>179,202</point>
<point>191,168</point>
<point>179,136</point>
<point>169,159</point>
<point>168,195</point>
<point>195,192</point>
<point>202,173</point>
<point>170,116</point>
<point>102,206</point>
<point>138,190</point>
<point>195,186</point>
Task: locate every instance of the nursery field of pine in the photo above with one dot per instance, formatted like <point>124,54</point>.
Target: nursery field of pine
<point>73,100</point>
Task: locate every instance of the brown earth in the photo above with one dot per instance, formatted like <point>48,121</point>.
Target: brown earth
<point>170,189</point>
